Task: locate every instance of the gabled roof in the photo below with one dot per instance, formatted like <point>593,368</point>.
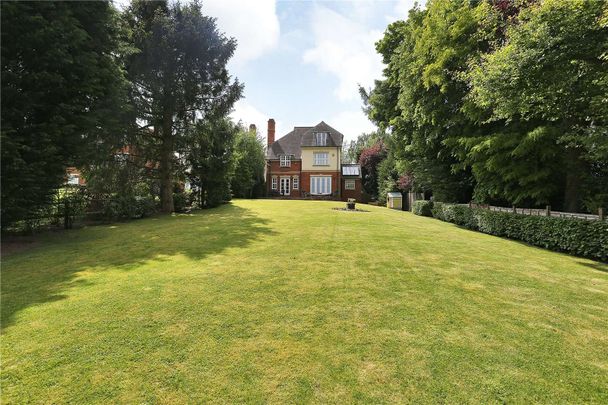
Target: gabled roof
<point>291,144</point>
<point>334,137</point>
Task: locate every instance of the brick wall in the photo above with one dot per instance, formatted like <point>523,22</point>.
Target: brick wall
<point>356,193</point>
<point>275,169</point>
<point>305,181</point>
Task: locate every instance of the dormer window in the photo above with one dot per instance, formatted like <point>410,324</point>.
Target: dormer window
<point>285,161</point>
<point>321,138</point>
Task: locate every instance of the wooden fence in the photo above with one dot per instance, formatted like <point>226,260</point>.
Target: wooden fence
<point>545,212</point>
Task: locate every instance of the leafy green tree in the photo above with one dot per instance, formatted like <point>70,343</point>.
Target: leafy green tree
<point>210,160</point>
<point>179,76</point>
<point>421,98</point>
<point>249,163</point>
<point>552,75</point>
<point>353,150</point>
<point>63,96</point>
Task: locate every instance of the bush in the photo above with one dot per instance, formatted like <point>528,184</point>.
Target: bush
<point>181,201</point>
<point>127,207</point>
<point>570,235</point>
<point>423,207</point>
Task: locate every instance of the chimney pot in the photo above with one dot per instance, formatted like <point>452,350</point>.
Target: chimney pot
<point>252,128</point>
<point>270,131</point>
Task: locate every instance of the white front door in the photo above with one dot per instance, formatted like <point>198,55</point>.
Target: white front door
<point>285,186</point>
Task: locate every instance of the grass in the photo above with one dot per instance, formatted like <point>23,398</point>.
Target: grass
<point>292,302</point>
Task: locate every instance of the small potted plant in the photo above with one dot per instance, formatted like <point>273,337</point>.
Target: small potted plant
<point>351,204</point>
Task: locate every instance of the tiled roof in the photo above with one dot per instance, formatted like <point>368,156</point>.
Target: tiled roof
<point>334,137</point>
<point>291,143</point>
<point>288,144</point>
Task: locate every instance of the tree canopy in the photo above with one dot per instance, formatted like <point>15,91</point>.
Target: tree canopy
<point>498,101</point>
<point>63,96</point>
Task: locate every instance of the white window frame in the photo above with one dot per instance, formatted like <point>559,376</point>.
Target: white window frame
<point>321,138</point>
<point>274,183</point>
<point>320,158</point>
<point>295,183</point>
<point>349,184</point>
<point>320,185</point>
<point>285,188</point>
<point>285,161</point>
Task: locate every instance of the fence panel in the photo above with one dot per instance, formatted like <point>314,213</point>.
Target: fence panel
<point>540,212</point>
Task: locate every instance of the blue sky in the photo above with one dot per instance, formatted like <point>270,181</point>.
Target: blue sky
<point>301,60</point>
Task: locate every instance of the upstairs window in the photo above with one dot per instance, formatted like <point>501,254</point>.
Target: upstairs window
<point>321,138</point>
<point>321,158</point>
<point>285,161</point>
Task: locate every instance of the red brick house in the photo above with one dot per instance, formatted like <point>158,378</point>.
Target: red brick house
<point>306,163</point>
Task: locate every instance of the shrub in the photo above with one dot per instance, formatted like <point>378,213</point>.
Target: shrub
<point>423,207</point>
<point>180,201</point>
<point>127,207</point>
<point>570,235</point>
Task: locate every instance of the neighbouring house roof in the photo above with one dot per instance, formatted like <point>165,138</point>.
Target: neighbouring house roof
<point>351,170</point>
<point>291,144</point>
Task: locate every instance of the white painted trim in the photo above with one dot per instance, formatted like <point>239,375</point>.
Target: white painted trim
<point>319,185</point>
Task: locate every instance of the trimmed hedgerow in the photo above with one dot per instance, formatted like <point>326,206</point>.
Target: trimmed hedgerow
<point>423,207</point>
<point>570,235</point>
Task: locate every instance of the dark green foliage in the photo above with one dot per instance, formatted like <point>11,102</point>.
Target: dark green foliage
<point>249,163</point>
<point>569,235</point>
<point>500,100</point>
<point>551,76</point>
<point>210,157</point>
<point>63,96</point>
<point>387,178</point>
<point>181,201</point>
<point>124,207</point>
<point>180,81</point>
<point>423,207</point>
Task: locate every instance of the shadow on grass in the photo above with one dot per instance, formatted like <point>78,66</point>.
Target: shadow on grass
<point>43,274</point>
<point>596,266</point>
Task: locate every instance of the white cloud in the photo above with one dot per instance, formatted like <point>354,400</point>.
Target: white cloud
<point>402,9</point>
<point>254,24</point>
<point>248,114</point>
<point>351,123</point>
<point>346,49</point>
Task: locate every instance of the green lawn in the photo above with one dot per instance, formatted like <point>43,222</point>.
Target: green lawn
<point>291,302</point>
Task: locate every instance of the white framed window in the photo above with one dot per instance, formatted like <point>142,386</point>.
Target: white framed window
<point>320,185</point>
<point>296,182</point>
<point>321,158</point>
<point>321,138</point>
<point>285,161</point>
<point>349,184</point>
<point>275,182</point>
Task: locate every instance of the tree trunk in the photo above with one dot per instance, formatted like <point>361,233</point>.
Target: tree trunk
<point>573,182</point>
<point>166,159</point>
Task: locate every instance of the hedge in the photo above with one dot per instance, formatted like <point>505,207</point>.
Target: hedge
<point>570,235</point>
<point>423,207</point>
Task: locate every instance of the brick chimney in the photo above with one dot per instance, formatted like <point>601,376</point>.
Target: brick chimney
<point>252,128</point>
<point>270,131</point>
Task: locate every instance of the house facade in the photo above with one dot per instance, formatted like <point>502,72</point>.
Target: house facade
<point>306,163</point>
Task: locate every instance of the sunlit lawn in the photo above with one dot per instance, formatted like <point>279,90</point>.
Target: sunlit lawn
<point>291,302</point>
